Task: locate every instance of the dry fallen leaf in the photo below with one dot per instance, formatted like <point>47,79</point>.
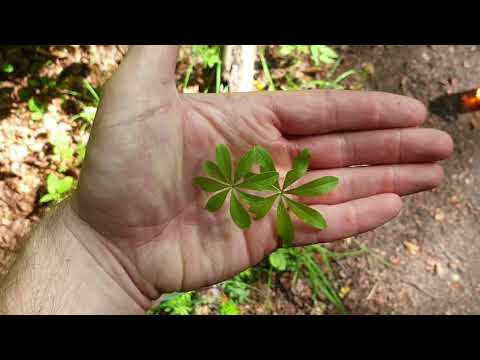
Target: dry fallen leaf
<point>369,68</point>
<point>438,269</point>
<point>439,215</point>
<point>344,291</point>
<point>411,247</point>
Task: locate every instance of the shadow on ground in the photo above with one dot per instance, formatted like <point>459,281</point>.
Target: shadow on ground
<point>25,75</point>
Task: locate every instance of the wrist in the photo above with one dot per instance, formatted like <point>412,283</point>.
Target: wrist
<point>66,268</point>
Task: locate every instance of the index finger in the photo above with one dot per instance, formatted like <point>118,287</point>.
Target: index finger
<point>326,111</point>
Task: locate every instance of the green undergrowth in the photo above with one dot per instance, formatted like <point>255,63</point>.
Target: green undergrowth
<point>314,264</point>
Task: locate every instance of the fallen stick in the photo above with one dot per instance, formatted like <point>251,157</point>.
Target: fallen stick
<point>239,67</point>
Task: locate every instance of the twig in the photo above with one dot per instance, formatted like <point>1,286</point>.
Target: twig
<point>269,285</point>
<point>419,289</point>
<point>372,292</point>
<point>239,67</point>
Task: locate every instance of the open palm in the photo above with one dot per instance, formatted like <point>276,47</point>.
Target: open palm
<point>149,142</point>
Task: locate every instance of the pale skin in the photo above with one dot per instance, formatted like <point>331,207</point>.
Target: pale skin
<point>136,226</point>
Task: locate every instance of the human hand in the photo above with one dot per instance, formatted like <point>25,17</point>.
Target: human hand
<point>148,143</point>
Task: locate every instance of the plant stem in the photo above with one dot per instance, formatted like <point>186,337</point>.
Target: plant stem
<point>326,257</point>
<point>323,283</point>
<point>91,91</point>
<point>343,76</point>
<point>334,68</point>
<point>266,70</point>
<point>187,76</point>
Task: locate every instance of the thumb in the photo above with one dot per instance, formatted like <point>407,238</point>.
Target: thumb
<point>146,74</point>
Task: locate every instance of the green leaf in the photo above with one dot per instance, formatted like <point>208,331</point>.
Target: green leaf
<point>216,201</point>
<point>326,59</point>
<point>328,51</point>
<point>244,165</point>
<point>316,187</point>
<point>229,308</point>
<point>65,185</point>
<point>278,260</point>
<point>300,163</point>
<point>323,53</point>
<point>263,181</point>
<point>287,49</point>
<point>239,214</point>
<point>249,198</point>
<point>237,289</point>
<point>263,158</point>
<point>261,207</point>
<point>180,304</point>
<point>214,171</point>
<point>81,152</point>
<point>88,114</point>
<point>284,225</point>
<point>300,166</point>
<point>307,214</point>
<point>47,198</point>
<point>224,161</point>
<point>292,176</point>
<point>209,55</point>
<point>8,68</point>
<point>249,175</point>
<point>34,106</point>
<point>62,146</point>
<point>209,185</point>
<point>53,183</point>
<point>37,116</point>
<point>57,187</point>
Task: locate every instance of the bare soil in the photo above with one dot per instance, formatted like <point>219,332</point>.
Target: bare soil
<point>435,244</point>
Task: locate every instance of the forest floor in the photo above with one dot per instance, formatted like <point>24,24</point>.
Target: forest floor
<point>427,261</point>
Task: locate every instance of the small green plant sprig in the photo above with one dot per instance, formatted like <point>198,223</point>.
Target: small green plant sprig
<point>224,181</point>
<point>175,304</point>
<point>229,307</point>
<point>36,108</point>
<point>7,68</point>
<point>58,188</point>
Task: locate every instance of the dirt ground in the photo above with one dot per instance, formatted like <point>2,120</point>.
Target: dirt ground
<point>433,246</point>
